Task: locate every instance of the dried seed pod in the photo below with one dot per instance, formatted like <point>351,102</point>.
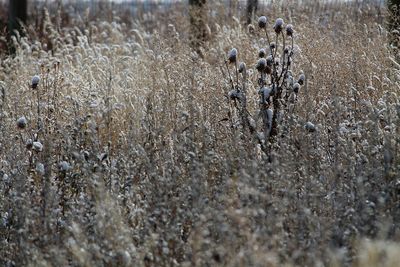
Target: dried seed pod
<point>302,79</point>
<point>286,51</point>
<point>37,146</point>
<point>262,22</point>
<point>261,53</point>
<point>232,55</point>
<point>22,122</point>
<point>35,81</point>
<point>234,94</point>
<point>29,144</point>
<point>261,64</point>
<point>278,26</point>
<point>289,30</point>
<point>296,88</point>
<point>242,67</point>
<point>309,126</point>
<point>64,166</point>
<point>272,46</point>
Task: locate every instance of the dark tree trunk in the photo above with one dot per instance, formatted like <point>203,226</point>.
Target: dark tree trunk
<point>198,20</point>
<point>251,10</point>
<point>17,16</point>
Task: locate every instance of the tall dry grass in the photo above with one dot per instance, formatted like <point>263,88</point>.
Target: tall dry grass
<point>128,159</point>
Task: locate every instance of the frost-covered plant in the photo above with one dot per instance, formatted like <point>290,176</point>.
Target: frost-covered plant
<point>277,86</point>
<point>137,167</point>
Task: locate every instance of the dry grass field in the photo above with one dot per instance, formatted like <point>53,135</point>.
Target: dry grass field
<point>121,146</point>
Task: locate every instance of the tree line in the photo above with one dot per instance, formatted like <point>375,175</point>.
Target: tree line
<point>18,16</point>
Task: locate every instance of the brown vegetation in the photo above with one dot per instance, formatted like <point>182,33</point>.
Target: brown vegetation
<point>122,153</point>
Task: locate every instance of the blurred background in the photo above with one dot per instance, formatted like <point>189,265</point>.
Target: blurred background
<point>149,13</point>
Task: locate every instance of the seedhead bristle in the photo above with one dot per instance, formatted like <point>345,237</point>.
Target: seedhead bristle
<point>278,26</point>
<point>262,22</point>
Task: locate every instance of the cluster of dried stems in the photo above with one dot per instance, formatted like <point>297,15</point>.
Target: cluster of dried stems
<point>118,147</point>
<point>277,88</point>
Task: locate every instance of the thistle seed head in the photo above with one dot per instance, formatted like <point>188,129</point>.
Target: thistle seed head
<point>289,30</point>
<point>234,94</point>
<point>35,81</point>
<point>37,146</point>
<point>261,53</point>
<point>278,26</point>
<point>309,126</point>
<point>286,51</point>
<point>64,166</point>
<point>29,144</point>
<point>296,88</point>
<point>262,22</point>
<point>242,67</point>
<point>302,79</point>
<point>261,64</point>
<point>232,55</point>
<point>22,122</point>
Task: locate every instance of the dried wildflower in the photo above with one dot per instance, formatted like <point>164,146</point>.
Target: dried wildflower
<point>261,64</point>
<point>233,94</point>
<point>289,30</point>
<point>64,166</point>
<point>286,51</point>
<point>302,79</point>
<point>29,144</point>
<point>232,55</point>
<point>261,53</point>
<point>35,81</point>
<point>22,122</point>
<point>309,126</point>
<point>296,88</point>
<point>262,22</point>
<point>278,26</point>
<point>37,146</point>
<point>242,67</point>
